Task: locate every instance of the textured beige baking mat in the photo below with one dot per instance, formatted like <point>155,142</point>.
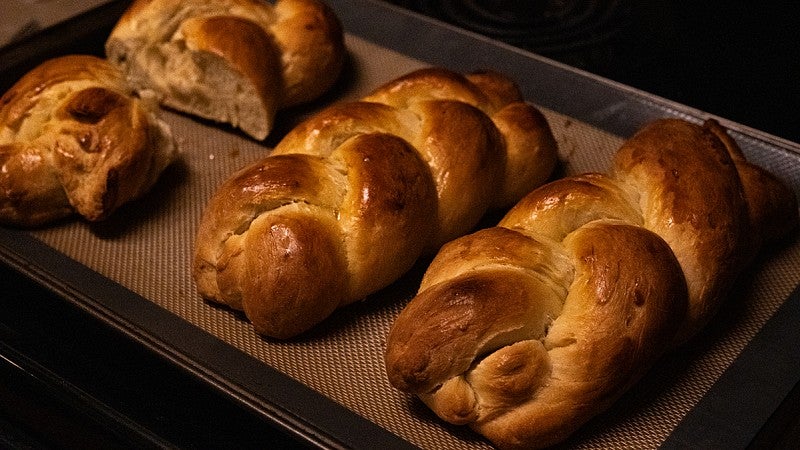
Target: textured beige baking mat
<point>147,247</point>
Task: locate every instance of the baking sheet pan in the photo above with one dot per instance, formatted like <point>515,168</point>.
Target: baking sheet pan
<point>328,387</point>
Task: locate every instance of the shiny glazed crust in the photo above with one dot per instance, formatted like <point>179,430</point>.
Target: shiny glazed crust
<point>350,198</point>
<point>231,61</point>
<point>74,139</point>
<point>527,330</point>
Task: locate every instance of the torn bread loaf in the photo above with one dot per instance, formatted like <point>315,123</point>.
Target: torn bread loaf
<point>229,61</point>
<point>74,139</point>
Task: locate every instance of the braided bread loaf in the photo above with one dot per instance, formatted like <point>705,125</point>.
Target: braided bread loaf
<point>74,139</point>
<point>231,61</point>
<point>526,330</point>
<point>351,198</point>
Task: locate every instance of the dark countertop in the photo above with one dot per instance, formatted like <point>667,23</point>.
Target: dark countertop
<point>69,381</point>
<point>735,59</point>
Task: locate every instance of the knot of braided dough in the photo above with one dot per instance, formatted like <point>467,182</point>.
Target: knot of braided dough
<point>351,198</point>
<point>73,139</point>
<point>231,61</point>
<point>528,329</point>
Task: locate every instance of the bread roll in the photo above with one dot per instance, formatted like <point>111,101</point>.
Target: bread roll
<point>230,61</point>
<point>351,198</point>
<point>73,139</point>
<point>527,330</point>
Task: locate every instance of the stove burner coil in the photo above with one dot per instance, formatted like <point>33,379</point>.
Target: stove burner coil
<point>573,31</point>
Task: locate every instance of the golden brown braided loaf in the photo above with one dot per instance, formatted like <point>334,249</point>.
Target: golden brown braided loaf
<point>74,139</point>
<point>231,61</point>
<point>526,330</point>
<point>352,197</point>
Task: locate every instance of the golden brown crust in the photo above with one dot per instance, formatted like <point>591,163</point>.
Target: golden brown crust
<point>677,184</point>
<point>768,196</point>
<point>258,61</point>
<point>527,330</point>
<point>372,185</point>
<point>73,139</point>
<point>232,61</point>
<point>312,44</point>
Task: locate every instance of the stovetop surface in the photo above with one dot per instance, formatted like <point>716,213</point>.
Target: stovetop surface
<point>735,59</point>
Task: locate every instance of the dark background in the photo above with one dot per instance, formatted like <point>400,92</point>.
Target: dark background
<point>735,59</point>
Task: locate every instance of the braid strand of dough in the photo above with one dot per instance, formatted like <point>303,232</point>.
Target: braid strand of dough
<point>351,198</point>
<point>527,330</point>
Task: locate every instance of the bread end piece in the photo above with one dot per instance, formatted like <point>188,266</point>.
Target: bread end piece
<point>74,139</point>
<point>233,61</point>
